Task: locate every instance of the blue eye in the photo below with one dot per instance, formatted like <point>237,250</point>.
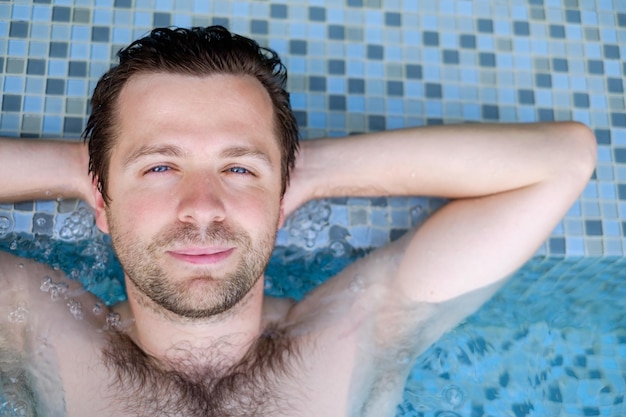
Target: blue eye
<point>239,170</point>
<point>160,168</point>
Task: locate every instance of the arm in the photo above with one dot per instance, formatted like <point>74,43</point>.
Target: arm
<point>43,170</point>
<point>510,185</point>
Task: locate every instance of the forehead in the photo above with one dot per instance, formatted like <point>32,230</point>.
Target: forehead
<point>180,105</point>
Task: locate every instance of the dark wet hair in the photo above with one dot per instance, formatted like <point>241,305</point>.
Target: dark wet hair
<point>195,52</point>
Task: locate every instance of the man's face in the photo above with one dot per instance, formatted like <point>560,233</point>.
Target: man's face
<point>194,181</point>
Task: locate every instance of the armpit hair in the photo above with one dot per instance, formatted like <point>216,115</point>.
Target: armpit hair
<point>249,388</point>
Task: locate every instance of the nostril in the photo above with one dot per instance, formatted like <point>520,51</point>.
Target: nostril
<point>201,207</point>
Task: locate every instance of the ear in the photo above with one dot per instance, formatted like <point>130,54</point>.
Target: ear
<point>101,215</point>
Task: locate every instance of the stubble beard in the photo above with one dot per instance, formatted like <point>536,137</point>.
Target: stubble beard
<point>140,261</point>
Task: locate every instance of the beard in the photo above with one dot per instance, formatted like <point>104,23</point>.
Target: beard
<point>216,294</point>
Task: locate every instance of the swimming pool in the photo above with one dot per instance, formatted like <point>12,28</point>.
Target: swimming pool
<point>552,342</point>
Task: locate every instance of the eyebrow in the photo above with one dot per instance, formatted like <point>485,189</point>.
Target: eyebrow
<point>149,150</point>
<point>244,151</point>
<point>176,151</point>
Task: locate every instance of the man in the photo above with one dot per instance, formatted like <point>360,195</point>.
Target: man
<point>191,143</point>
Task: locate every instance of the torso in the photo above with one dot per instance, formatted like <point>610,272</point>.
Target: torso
<point>299,379</point>
<point>304,368</point>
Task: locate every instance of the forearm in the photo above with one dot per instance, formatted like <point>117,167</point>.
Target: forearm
<point>446,161</point>
<point>42,170</point>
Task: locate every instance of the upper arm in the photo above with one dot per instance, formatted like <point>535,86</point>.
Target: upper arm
<point>458,258</point>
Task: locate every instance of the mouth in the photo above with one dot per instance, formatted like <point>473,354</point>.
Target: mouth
<point>202,256</point>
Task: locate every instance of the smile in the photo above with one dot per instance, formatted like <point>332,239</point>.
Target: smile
<point>201,256</point>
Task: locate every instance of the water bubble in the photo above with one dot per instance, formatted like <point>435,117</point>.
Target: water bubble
<point>19,315</point>
<point>357,284</point>
<point>453,395</point>
<point>337,249</point>
<point>5,225</point>
<point>416,213</point>
<point>16,408</point>
<point>20,265</point>
<point>78,225</point>
<point>40,221</point>
<point>308,221</point>
<point>76,308</point>
<point>97,308</point>
<point>45,284</point>
<point>13,245</point>
<point>57,290</point>
<point>403,357</point>
<point>65,233</point>
<point>113,321</point>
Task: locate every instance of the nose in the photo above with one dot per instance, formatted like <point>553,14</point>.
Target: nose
<point>201,201</point>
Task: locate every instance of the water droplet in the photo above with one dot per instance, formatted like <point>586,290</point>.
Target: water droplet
<point>453,395</point>
<point>19,315</point>
<point>5,225</point>
<point>21,265</point>
<point>13,245</point>
<point>403,357</point>
<point>416,211</point>
<point>65,233</point>
<point>45,284</point>
<point>357,284</point>
<point>57,290</point>
<point>97,308</point>
<point>78,225</point>
<point>76,308</point>
<point>113,321</point>
<point>337,249</point>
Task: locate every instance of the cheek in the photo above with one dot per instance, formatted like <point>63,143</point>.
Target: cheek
<point>254,211</point>
<point>134,212</point>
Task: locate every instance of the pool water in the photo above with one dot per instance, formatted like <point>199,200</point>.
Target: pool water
<point>552,342</point>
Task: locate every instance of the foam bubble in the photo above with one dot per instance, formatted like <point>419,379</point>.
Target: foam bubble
<point>19,314</point>
<point>76,308</point>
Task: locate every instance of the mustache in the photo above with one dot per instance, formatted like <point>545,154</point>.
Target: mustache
<point>189,234</point>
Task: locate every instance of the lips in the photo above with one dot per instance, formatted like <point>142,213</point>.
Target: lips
<point>202,256</point>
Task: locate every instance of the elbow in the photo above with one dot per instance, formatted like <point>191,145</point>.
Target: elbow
<point>581,149</point>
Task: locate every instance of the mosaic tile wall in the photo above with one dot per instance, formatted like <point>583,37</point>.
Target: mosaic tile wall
<point>355,65</point>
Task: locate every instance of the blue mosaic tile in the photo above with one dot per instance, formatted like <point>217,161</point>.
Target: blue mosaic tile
<point>61,14</point>
<point>11,103</point>
<point>521,28</point>
<point>127,4</point>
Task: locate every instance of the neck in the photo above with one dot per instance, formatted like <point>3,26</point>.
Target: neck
<point>219,341</point>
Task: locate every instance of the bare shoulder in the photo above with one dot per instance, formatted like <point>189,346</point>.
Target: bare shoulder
<point>48,330</point>
<point>36,299</point>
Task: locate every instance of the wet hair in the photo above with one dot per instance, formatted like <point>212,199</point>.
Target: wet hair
<point>195,52</point>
